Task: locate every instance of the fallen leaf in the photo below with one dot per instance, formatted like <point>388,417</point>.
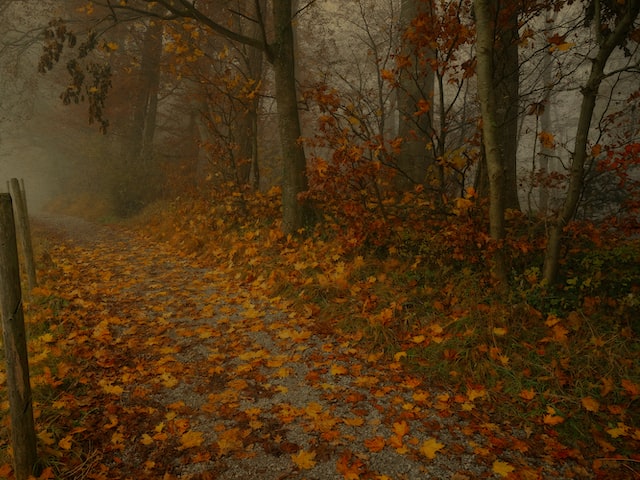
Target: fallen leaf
<point>191,439</point>
<point>304,460</point>
<point>66,442</point>
<point>430,447</point>
<point>502,468</point>
<point>590,404</point>
<point>375,444</point>
<point>527,394</point>
<point>338,370</point>
<point>621,430</point>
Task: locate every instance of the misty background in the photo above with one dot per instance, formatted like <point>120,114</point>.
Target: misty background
<point>41,141</point>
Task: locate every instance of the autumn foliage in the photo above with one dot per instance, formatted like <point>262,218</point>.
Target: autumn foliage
<point>386,299</point>
<point>558,363</point>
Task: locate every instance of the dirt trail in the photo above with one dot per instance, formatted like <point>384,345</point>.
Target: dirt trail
<point>184,372</point>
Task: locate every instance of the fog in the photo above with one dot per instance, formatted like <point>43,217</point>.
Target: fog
<point>43,142</point>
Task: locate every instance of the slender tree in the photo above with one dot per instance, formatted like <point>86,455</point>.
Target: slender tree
<point>506,84</point>
<point>494,159</point>
<point>613,22</point>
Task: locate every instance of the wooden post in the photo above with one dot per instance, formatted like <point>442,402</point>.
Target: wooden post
<point>24,231</point>
<point>23,436</point>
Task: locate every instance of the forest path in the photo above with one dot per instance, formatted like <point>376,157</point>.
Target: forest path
<point>181,371</point>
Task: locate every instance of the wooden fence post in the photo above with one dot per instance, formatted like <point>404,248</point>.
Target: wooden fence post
<point>24,231</point>
<point>23,436</point>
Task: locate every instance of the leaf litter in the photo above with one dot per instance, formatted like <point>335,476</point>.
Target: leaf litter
<point>166,369</point>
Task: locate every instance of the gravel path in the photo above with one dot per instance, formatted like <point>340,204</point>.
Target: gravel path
<point>204,377</point>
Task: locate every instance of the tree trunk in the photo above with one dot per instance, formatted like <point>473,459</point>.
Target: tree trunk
<point>138,168</point>
<point>580,154</point>
<point>416,83</point>
<point>494,160</point>
<point>295,214</point>
<point>506,84</point>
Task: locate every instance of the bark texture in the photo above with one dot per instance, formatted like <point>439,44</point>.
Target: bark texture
<point>494,159</point>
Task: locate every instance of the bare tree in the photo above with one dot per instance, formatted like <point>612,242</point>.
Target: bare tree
<point>613,23</point>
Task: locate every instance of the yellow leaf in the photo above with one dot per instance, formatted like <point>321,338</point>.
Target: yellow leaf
<point>430,447</point>
<point>472,393</point>
<point>620,431</point>
<point>354,422</point>
<point>117,439</point>
<point>169,380</point>
<point>47,338</point>
<point>590,404</point>
<point>502,468</point>
<point>146,439</point>
<point>191,439</point>
<point>400,428</point>
<point>499,331</point>
<point>304,460</point>
<point>66,442</point>
<point>46,438</point>
<point>552,419</point>
<point>337,370</point>
<point>111,389</point>
<point>399,355</point>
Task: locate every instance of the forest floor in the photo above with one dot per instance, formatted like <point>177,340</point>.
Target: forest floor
<point>148,363</point>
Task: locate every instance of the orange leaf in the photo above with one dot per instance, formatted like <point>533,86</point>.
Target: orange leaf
<point>552,419</point>
<point>349,470</point>
<point>547,140</point>
<point>374,444</point>
<point>527,394</point>
<point>632,389</point>
<point>590,404</point>
<point>304,460</point>
<point>430,447</point>
<point>387,75</point>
